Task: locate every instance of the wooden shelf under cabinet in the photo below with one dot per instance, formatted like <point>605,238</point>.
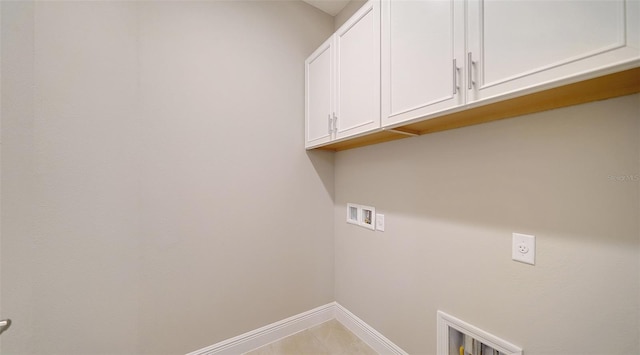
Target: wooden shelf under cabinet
<point>605,87</point>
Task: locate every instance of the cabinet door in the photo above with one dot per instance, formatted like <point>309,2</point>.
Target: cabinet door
<point>357,102</point>
<point>318,95</point>
<point>422,58</point>
<point>524,44</point>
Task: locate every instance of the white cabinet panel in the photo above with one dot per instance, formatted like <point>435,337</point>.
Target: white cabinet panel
<point>318,96</point>
<point>501,49</point>
<point>522,44</point>
<point>343,80</point>
<point>357,102</point>
<point>399,63</point>
<point>421,43</point>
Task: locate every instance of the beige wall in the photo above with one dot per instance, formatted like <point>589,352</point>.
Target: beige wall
<point>156,194</point>
<point>451,201</point>
<point>157,198</point>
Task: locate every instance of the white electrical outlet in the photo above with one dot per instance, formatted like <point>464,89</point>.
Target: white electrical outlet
<point>523,248</point>
<point>380,222</point>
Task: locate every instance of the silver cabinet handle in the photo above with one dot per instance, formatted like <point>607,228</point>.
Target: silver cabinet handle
<point>335,123</point>
<point>455,77</point>
<point>329,121</point>
<point>4,325</point>
<point>469,69</point>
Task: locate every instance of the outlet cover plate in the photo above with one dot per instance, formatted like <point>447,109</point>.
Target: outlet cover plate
<point>380,222</point>
<point>523,248</point>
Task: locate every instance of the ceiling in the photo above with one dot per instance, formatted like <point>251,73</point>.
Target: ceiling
<point>332,7</point>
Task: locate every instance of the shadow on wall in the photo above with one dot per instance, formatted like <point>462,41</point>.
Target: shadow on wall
<point>323,162</point>
<point>571,171</point>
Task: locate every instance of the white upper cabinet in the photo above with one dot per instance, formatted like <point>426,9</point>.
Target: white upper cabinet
<point>343,80</point>
<point>318,95</point>
<point>357,99</point>
<point>407,67</point>
<point>423,56</point>
<point>439,56</point>
<point>519,45</point>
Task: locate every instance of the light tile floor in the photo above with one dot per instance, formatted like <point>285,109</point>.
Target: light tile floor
<point>327,338</point>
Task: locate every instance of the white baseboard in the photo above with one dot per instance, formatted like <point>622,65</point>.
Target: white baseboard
<point>286,327</point>
<point>270,333</point>
<point>364,331</point>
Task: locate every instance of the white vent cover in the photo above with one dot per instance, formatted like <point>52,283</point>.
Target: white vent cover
<point>456,337</point>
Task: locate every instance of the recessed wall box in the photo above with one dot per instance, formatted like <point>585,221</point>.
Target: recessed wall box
<point>368,217</point>
<point>364,216</point>
<point>458,337</point>
<point>353,213</point>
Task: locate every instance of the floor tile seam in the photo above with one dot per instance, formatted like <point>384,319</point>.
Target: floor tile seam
<point>320,341</point>
<point>335,334</point>
<point>317,327</point>
<point>270,344</point>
